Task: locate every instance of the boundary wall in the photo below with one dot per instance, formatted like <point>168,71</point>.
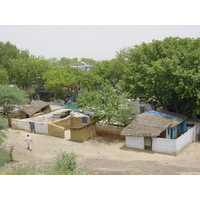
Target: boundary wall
<point>164,145</point>
<point>174,146</point>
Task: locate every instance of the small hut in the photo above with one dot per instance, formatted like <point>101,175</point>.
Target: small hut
<point>35,108</point>
<point>153,124</point>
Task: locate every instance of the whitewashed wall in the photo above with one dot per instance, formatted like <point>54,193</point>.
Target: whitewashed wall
<point>185,139</point>
<point>135,142</point>
<point>23,125</point>
<point>41,128</point>
<point>174,146</point>
<point>163,145</point>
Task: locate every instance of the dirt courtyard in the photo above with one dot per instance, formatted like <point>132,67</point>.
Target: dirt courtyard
<point>101,156</point>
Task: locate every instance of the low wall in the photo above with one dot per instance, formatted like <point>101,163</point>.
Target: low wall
<point>108,130</point>
<point>164,145</point>
<point>185,139</point>
<point>65,122</point>
<point>135,142</point>
<point>77,121</point>
<point>174,146</point>
<point>56,131</point>
<point>41,128</point>
<point>14,123</point>
<point>23,125</point>
<point>83,133</point>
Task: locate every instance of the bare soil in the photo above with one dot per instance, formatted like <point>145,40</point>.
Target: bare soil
<point>101,156</point>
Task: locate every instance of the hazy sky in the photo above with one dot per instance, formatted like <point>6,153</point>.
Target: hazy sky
<point>90,41</point>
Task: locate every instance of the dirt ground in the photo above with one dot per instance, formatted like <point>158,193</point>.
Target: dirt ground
<point>102,156</point>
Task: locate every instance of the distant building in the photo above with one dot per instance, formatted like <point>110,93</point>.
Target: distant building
<point>83,66</point>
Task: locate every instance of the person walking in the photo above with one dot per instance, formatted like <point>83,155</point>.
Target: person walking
<point>29,141</point>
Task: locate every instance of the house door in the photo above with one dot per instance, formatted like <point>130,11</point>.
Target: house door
<point>148,143</point>
<point>32,127</point>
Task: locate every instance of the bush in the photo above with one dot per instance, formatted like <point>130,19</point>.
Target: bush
<point>64,165</point>
<point>4,156</point>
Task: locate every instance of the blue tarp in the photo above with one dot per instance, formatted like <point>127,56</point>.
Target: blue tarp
<point>160,114</point>
<point>183,127</point>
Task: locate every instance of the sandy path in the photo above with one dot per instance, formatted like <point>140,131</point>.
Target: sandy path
<point>101,156</point>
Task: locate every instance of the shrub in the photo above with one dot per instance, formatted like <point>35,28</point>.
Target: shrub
<point>64,165</point>
<point>4,156</point>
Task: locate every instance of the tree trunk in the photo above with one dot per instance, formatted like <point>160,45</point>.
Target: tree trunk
<point>9,121</point>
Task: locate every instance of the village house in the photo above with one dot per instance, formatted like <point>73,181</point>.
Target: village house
<point>82,126</point>
<point>162,132</point>
<point>34,109</point>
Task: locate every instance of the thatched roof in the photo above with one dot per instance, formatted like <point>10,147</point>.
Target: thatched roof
<point>150,125</point>
<point>35,107</point>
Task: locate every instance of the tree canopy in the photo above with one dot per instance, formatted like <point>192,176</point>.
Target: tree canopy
<point>24,72</point>
<point>109,104</point>
<point>165,73</point>
<point>62,80</point>
<point>11,96</point>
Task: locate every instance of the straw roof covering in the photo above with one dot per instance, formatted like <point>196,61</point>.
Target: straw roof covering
<point>148,125</point>
<point>35,107</point>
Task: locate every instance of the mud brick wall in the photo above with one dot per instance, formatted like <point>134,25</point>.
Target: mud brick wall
<point>109,130</point>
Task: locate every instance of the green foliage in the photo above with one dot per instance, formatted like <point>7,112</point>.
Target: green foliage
<point>107,104</point>
<point>66,165</point>
<point>26,71</point>
<point>63,79</point>
<point>7,52</point>
<point>111,70</point>
<point>88,61</point>
<point>3,76</point>
<point>11,96</point>
<point>66,61</point>
<point>165,73</point>
<point>4,156</point>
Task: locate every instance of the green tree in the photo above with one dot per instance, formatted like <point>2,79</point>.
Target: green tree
<point>88,61</point>
<point>108,103</point>
<point>63,80</point>
<point>165,74</point>
<point>111,70</point>
<point>8,52</point>
<point>26,71</point>
<point>66,61</point>
<point>3,76</point>
<point>11,96</point>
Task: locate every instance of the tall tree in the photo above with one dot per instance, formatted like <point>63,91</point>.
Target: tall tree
<point>8,52</point>
<point>3,76</point>
<point>165,73</point>
<point>63,80</point>
<point>109,104</point>
<point>11,96</point>
<point>27,71</point>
